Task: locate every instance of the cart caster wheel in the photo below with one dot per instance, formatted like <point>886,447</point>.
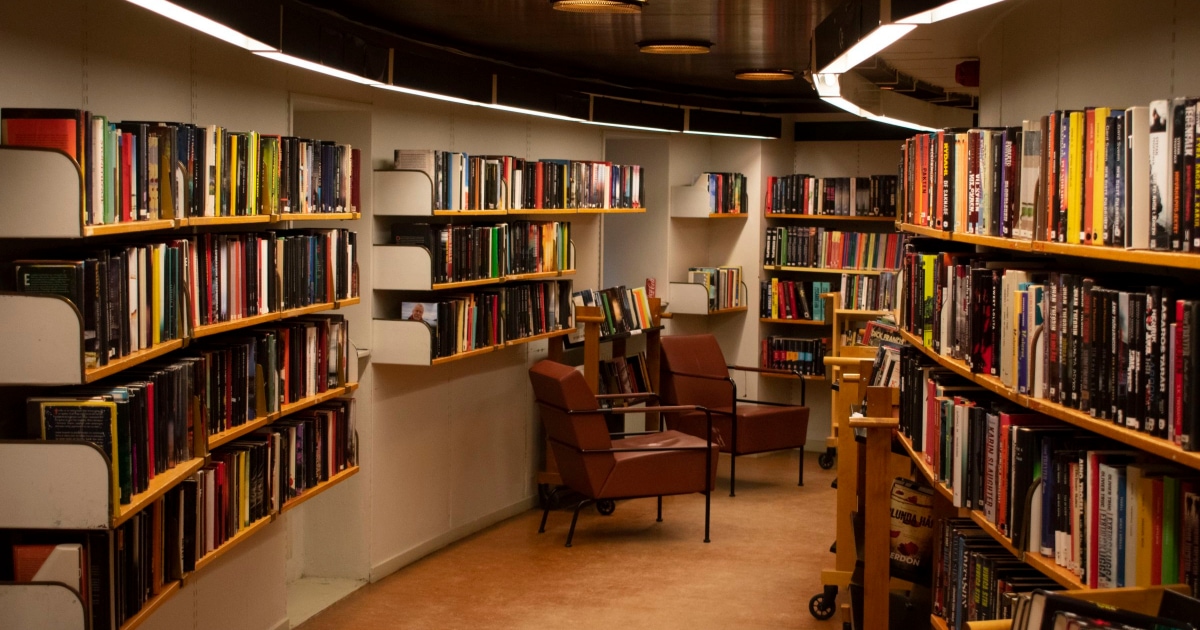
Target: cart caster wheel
<point>825,461</point>
<point>606,507</point>
<point>820,608</point>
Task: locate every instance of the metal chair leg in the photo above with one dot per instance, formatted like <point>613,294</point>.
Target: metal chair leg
<point>732,472</point>
<point>707,513</point>
<point>574,519</point>
<point>801,466</point>
<point>660,508</point>
<point>545,514</point>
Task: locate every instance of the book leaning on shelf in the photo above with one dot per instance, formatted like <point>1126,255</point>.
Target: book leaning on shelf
<point>624,310</point>
<point>792,299</point>
<point>475,252</point>
<point>139,171</point>
<point>726,192</point>
<point>625,375</point>
<point>503,182</point>
<point>873,196</point>
<point>724,286</point>
<point>797,355</point>
<point>1112,516</point>
<point>1095,176</point>
<point>797,246</point>
<point>1120,353</point>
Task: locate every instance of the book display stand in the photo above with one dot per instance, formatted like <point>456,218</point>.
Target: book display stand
<point>694,201</point>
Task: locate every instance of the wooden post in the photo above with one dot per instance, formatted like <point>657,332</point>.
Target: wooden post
<point>654,357</point>
<point>591,317</point>
<point>877,506</point>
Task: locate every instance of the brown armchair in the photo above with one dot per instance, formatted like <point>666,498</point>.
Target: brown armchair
<point>651,464</point>
<point>694,372</point>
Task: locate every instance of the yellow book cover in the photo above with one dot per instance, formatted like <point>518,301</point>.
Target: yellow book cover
<point>960,182</point>
<point>93,421</point>
<point>1075,179</point>
<point>774,298</point>
<point>1099,175</point>
<point>1015,332</point>
<point>156,295</point>
<point>927,299</point>
<point>1145,532</point>
<point>252,175</point>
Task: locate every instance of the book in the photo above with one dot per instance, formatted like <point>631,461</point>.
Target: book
<point>64,563</point>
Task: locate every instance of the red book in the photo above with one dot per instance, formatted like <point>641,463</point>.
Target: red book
<point>355,172</point>
<point>1089,172</point>
<point>1175,422</point>
<point>127,193</point>
<point>770,195</point>
<point>46,128</point>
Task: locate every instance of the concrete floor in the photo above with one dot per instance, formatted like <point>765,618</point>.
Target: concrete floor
<point>624,571</point>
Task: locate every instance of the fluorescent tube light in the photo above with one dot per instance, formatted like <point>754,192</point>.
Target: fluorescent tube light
<point>899,123</point>
<point>843,104</point>
<point>634,127</point>
<point>878,39</point>
<point>948,10</point>
<point>204,25</point>
<point>316,67</point>
<point>727,135</point>
<point>424,94</point>
<point>827,84</point>
<point>530,112</point>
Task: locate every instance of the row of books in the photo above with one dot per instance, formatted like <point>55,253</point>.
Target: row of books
<point>789,299</point>
<point>117,572</point>
<point>482,319</point>
<point>625,310</point>
<point>504,182</point>
<point>1096,176</point>
<point>869,293</point>
<point>724,286</point>
<point>461,253</point>
<point>873,196</point>
<point>134,297</point>
<point>798,246</point>
<point>801,356</point>
<point>1103,512</point>
<point>138,171</point>
<point>1118,353</point>
<point>625,375</point>
<point>727,192</point>
<point>1044,609</point>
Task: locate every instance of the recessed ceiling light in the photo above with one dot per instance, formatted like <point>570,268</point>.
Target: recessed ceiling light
<point>763,74</point>
<point>675,46</point>
<point>599,6</point>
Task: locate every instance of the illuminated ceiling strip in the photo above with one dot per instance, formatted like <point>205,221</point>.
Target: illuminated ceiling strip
<point>867,47</point>
<point>196,21</point>
<point>728,135</point>
<point>316,67</point>
<point>948,10</point>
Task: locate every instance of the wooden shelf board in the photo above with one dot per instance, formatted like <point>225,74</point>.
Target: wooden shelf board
<point>1175,260</point>
<point>850,312</point>
<point>1157,446</point>
<point>129,227</point>
<point>319,488</point>
<point>727,215</point>
<point>918,459</point>
<point>228,435</point>
<point>798,322</point>
<point>464,355</point>
<point>469,213</point>
<point>347,302</point>
<point>465,284</point>
<point>351,388</point>
<point>305,403</point>
<point>938,623</point>
<point>152,605</point>
<point>239,220</point>
<point>825,270</point>
<point>541,275</point>
<point>543,211</point>
<point>158,486</point>
<point>218,328</point>
<point>318,216</point>
<point>307,310</point>
<point>611,210</point>
<point>807,377</point>
<point>830,217</point>
<point>732,309</point>
<point>130,360</point>
<point>548,335</point>
<point>243,534</point>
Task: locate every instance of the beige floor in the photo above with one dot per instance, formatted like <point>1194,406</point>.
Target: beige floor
<point>625,571</point>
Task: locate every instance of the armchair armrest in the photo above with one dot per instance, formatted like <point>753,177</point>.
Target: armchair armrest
<point>625,396</point>
<point>746,368</point>
<point>707,377</point>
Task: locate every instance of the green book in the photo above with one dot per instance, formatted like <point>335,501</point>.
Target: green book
<point>1170,530</point>
<point>495,232</point>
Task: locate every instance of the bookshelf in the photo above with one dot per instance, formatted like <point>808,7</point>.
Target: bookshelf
<point>409,193</point>
<point>695,201</point>
<point>690,298</point>
<point>403,268</point>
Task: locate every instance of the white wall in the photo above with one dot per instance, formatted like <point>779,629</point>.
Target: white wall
<point>1045,55</point>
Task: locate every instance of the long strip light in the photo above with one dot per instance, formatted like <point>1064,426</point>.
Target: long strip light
<point>883,36</point>
<point>316,67</point>
<point>194,20</point>
<point>727,135</point>
<point>829,88</point>
<point>945,11</point>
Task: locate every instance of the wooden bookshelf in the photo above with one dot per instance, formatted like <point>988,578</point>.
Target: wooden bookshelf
<point>238,220</point>
<point>826,270</point>
<point>347,302</point>
<point>134,358</point>
<point>829,217</point>
<point>807,377</point>
<point>540,275</point>
<point>469,213</point>
<point>317,216</point>
<point>732,309</point>
<point>537,211</point>
<point>611,211</point>
<point>727,215</point>
<point>158,486</point>
<point>464,355</point>
<point>154,603</point>
<point>546,335</point>
<point>131,227</point>
<point>232,542</point>
<point>938,623</point>
<point>233,433</point>
<point>795,322</point>
<point>1137,439</point>
<point>206,330</point>
<point>318,489</point>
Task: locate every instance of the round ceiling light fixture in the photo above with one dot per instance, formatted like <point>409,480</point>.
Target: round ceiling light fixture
<point>765,74</point>
<point>599,6</point>
<point>675,46</point>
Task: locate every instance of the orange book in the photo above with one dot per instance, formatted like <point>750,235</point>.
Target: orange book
<point>46,128</point>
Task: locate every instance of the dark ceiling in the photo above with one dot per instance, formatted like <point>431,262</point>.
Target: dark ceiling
<point>602,48</point>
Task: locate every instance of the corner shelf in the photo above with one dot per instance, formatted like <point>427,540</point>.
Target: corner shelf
<point>318,216</point>
<point>828,217</point>
<point>410,268</point>
<point>406,342</point>
<point>692,202</point>
<point>689,298</point>
<point>1137,439</point>
<point>409,193</point>
<point>337,478</point>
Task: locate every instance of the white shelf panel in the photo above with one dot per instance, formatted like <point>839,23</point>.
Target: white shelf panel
<point>401,342</point>
<point>690,202</point>
<point>41,340</point>
<point>54,485</point>
<point>403,194</point>
<point>42,194</point>
<point>688,298</point>
<point>39,605</point>
<point>401,268</point>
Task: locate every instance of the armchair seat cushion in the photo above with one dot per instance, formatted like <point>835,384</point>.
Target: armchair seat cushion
<point>653,473</point>
<point>761,428</point>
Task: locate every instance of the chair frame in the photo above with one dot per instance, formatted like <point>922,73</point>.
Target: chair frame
<point>707,448</point>
<point>733,411</point>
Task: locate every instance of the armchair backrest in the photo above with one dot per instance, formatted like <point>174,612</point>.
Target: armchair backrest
<point>559,389</point>
<point>694,354</point>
